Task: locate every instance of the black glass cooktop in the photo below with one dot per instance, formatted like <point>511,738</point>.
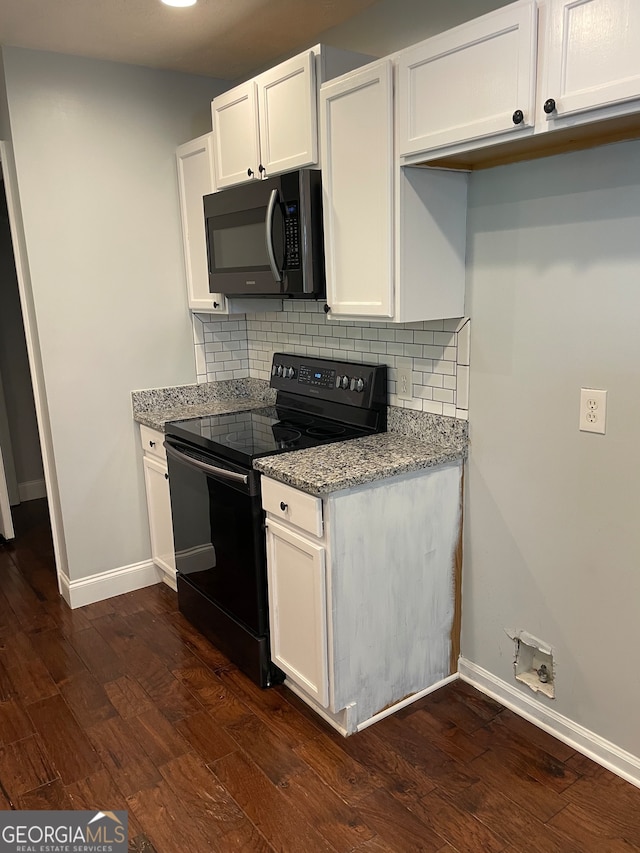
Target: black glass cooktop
<point>243,436</point>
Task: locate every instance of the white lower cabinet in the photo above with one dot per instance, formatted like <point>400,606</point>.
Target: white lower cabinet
<point>363,607</point>
<point>156,480</point>
<point>297,604</point>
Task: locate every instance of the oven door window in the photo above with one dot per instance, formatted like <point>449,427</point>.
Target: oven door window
<point>219,541</point>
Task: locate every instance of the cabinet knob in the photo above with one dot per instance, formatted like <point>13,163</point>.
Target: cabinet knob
<point>327,308</point>
<point>152,444</point>
<point>549,106</point>
<point>518,117</point>
<point>283,506</point>
<point>249,172</point>
<point>216,304</point>
<point>166,476</point>
<point>261,168</point>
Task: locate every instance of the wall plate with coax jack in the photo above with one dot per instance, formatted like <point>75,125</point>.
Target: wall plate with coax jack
<point>593,410</point>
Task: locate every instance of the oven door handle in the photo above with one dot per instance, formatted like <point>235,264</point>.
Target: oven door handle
<point>273,198</point>
<point>221,473</point>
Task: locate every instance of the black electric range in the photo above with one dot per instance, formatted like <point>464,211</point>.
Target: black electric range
<point>218,522</point>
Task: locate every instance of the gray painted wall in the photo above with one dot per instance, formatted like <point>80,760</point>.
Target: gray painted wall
<point>390,25</point>
<point>552,543</point>
<point>94,147</point>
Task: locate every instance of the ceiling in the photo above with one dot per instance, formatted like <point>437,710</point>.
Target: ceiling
<point>217,38</point>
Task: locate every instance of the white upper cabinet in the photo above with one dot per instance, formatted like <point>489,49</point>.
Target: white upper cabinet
<point>471,82</point>
<point>467,96</point>
<point>287,113</point>
<point>592,56</point>
<point>237,141</point>
<point>356,116</point>
<point>394,237</point>
<point>194,162</point>
<point>269,124</point>
<point>195,179</point>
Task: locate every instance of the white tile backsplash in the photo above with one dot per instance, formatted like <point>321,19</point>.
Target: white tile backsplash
<point>241,347</point>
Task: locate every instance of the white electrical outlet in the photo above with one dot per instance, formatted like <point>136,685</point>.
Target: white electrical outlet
<point>405,379</point>
<point>593,410</point>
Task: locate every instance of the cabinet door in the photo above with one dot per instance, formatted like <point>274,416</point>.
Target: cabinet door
<point>471,82</point>
<point>356,121</point>
<point>592,51</point>
<point>287,109</point>
<point>195,180</point>
<point>298,609</point>
<point>160,523</point>
<point>236,141</point>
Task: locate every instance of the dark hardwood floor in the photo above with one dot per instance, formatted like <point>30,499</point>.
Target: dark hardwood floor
<point>122,705</point>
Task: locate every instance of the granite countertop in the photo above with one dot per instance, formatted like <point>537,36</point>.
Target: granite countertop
<point>157,406</point>
<point>416,440</point>
<point>333,467</point>
<point>157,418</point>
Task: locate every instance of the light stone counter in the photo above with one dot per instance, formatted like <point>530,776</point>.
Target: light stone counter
<point>415,440</point>
<point>333,467</point>
<point>156,406</point>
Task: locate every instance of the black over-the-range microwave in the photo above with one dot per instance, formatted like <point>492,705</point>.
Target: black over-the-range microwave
<point>265,238</point>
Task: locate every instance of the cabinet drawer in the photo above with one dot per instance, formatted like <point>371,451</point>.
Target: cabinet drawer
<point>152,442</point>
<point>292,505</point>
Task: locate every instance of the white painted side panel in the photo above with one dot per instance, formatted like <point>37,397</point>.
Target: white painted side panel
<point>592,52</point>
<point>392,549</point>
<point>467,82</point>
<point>431,244</point>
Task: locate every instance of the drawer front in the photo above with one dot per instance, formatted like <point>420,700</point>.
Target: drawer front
<point>291,505</point>
<point>152,442</point>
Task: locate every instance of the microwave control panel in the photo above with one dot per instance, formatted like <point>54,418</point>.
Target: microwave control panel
<point>291,235</point>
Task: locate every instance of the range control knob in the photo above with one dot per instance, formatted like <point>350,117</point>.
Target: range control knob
<point>280,369</point>
<point>289,373</point>
<point>274,369</point>
<point>359,384</point>
<point>352,386</point>
<point>338,381</point>
<point>344,382</point>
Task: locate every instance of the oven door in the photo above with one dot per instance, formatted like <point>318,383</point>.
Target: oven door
<point>218,528</point>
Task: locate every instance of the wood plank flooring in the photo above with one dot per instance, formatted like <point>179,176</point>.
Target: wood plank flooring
<point>123,705</point>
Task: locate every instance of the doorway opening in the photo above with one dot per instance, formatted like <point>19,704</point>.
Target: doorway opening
<point>19,440</point>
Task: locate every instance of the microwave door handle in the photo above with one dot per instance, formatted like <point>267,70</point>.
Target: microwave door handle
<point>277,274</point>
<point>221,473</point>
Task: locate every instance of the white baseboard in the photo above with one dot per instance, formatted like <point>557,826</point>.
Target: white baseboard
<point>602,751</point>
<point>31,490</point>
<point>107,584</point>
